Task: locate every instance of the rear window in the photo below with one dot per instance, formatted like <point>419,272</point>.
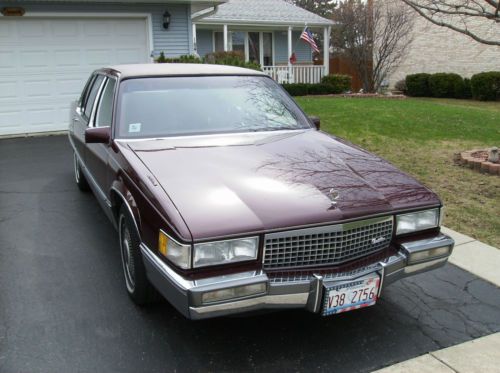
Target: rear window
<point>173,106</point>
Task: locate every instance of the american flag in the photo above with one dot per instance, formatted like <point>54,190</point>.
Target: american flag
<point>307,36</point>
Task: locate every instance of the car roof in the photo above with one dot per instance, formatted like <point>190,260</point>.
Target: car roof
<point>178,69</point>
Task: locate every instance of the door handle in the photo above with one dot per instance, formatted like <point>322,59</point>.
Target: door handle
<point>75,119</point>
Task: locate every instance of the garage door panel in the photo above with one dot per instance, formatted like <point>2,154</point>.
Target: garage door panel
<point>8,90</point>
<point>65,58</point>
<point>45,62</point>
<point>64,28</point>
<point>99,57</point>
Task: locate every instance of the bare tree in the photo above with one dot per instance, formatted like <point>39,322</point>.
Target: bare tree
<point>478,19</point>
<point>373,36</point>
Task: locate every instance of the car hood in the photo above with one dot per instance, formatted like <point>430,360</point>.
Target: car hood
<point>237,184</point>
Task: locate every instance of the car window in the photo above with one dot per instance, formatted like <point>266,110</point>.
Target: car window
<point>173,106</point>
<point>105,108</point>
<point>92,95</point>
<point>86,90</point>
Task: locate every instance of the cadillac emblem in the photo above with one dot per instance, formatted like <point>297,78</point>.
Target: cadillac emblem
<point>334,196</point>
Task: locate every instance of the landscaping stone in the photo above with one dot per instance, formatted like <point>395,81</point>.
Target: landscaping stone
<point>482,160</point>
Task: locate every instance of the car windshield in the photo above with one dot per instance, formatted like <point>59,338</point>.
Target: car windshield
<point>174,106</point>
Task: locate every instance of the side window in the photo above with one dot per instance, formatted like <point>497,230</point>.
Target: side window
<point>89,104</point>
<point>85,92</point>
<point>105,108</point>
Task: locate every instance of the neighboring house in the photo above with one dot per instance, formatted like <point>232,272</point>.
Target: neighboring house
<point>267,32</point>
<point>438,49</point>
<point>49,48</point>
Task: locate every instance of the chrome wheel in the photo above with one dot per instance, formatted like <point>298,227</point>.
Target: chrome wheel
<point>127,256</point>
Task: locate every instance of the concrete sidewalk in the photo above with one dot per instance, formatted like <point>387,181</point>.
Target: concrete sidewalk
<point>480,355</point>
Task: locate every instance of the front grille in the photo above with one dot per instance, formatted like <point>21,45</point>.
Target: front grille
<point>330,245</point>
<point>327,276</point>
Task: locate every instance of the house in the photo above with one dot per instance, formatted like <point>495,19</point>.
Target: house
<point>49,48</point>
<point>267,32</point>
<point>439,49</point>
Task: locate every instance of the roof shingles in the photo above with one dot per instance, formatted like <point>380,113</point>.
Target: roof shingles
<point>265,12</point>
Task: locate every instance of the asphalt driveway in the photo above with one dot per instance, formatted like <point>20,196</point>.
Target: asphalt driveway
<point>63,306</point>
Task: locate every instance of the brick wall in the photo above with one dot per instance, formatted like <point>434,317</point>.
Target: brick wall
<point>438,49</point>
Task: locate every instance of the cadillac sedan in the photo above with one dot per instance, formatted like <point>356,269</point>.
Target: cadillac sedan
<point>228,199</point>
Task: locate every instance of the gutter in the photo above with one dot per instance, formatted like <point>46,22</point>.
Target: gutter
<point>204,13</point>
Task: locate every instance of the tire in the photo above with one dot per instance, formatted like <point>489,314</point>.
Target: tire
<point>137,284</point>
<point>80,179</point>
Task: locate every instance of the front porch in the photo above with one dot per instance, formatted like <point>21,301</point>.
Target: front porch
<point>269,46</point>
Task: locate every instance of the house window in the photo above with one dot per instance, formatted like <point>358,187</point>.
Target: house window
<point>238,42</point>
<point>218,41</point>
<point>267,44</point>
<point>256,46</point>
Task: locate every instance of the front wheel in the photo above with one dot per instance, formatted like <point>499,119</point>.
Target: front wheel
<point>138,286</point>
<point>80,180</point>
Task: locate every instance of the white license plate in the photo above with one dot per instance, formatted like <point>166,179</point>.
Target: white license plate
<point>352,295</point>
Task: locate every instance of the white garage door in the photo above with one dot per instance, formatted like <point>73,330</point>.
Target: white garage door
<point>44,63</point>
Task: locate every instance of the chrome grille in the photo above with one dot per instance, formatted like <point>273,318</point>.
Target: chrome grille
<point>336,276</point>
<point>328,245</point>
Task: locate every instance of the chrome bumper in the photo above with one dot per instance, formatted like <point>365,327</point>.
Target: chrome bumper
<point>186,295</point>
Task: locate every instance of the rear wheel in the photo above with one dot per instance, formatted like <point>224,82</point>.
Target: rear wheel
<point>138,286</point>
<point>80,180</point>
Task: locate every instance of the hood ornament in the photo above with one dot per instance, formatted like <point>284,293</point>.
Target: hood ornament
<point>334,196</point>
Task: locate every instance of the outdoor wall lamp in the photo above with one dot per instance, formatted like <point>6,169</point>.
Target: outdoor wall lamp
<point>166,19</point>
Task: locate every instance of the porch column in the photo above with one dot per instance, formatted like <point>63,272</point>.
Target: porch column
<point>326,48</point>
<point>194,39</point>
<point>290,51</point>
<point>225,39</point>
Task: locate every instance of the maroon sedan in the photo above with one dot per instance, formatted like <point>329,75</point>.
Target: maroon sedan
<point>228,198</point>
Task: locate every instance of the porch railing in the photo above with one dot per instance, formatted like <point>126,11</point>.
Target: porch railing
<point>295,74</point>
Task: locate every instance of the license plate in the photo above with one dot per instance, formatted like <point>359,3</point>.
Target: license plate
<point>352,295</point>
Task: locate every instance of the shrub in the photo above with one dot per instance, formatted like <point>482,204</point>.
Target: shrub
<point>304,89</point>
<point>417,85</point>
<point>467,91</point>
<point>218,58</point>
<point>323,89</point>
<point>401,85</point>
<point>297,89</point>
<point>231,58</point>
<point>486,86</point>
<point>181,59</point>
<point>339,83</point>
<point>447,85</point>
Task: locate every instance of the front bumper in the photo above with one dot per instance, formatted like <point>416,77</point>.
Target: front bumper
<point>286,292</point>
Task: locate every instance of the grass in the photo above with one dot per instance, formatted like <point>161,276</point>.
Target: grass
<point>420,137</point>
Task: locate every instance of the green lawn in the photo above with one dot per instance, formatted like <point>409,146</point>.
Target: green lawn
<point>420,136</point>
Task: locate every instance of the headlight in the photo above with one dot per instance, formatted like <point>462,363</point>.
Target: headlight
<point>177,253</point>
<point>417,221</point>
<point>224,252</point>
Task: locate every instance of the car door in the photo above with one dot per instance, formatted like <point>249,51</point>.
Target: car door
<point>97,155</point>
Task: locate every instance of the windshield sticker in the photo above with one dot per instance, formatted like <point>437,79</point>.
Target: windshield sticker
<point>134,127</point>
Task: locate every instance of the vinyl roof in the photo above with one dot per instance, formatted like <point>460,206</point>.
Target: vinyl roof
<point>270,12</point>
<point>179,69</point>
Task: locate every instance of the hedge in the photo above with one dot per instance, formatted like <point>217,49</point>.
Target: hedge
<point>340,83</point>
<point>486,86</point>
<point>446,85</point>
<point>232,58</point>
<point>417,85</point>
<point>303,89</point>
<point>330,84</point>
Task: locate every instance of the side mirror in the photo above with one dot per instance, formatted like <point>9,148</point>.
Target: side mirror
<point>316,121</point>
<point>98,135</point>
